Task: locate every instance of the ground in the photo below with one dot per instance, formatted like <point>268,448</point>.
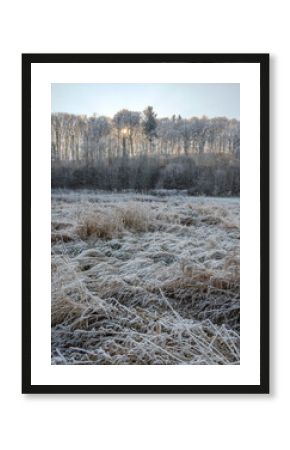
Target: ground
<point>145,279</point>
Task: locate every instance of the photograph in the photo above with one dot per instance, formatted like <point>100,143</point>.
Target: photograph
<point>145,224</point>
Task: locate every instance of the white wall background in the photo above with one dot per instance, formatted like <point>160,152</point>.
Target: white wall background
<point>53,422</point>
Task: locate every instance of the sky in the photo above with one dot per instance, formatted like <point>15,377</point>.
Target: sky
<point>188,100</point>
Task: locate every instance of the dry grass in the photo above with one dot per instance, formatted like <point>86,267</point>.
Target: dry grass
<point>135,217</point>
<point>144,279</point>
<point>104,223</point>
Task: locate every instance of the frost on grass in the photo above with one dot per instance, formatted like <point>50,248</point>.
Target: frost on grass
<point>144,279</point>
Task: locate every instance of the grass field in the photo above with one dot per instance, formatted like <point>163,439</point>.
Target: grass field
<point>145,279</point>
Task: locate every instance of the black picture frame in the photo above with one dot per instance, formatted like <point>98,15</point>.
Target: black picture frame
<point>263,61</point>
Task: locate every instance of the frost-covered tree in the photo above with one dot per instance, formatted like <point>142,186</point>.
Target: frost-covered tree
<point>99,129</point>
<point>126,124</point>
<point>130,133</point>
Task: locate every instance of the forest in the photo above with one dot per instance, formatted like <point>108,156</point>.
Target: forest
<point>139,151</point>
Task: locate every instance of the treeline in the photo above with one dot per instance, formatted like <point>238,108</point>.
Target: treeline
<point>201,174</point>
<point>95,139</point>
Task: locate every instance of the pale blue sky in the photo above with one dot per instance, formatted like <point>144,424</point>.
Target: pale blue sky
<point>209,99</point>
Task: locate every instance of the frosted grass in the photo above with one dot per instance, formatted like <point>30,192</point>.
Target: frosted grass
<point>145,279</point>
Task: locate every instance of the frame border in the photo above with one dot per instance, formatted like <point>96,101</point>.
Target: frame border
<point>263,60</point>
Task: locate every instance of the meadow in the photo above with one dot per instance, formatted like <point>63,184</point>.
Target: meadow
<point>144,278</point>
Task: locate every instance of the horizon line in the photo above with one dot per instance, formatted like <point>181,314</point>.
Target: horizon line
<point>95,114</point>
